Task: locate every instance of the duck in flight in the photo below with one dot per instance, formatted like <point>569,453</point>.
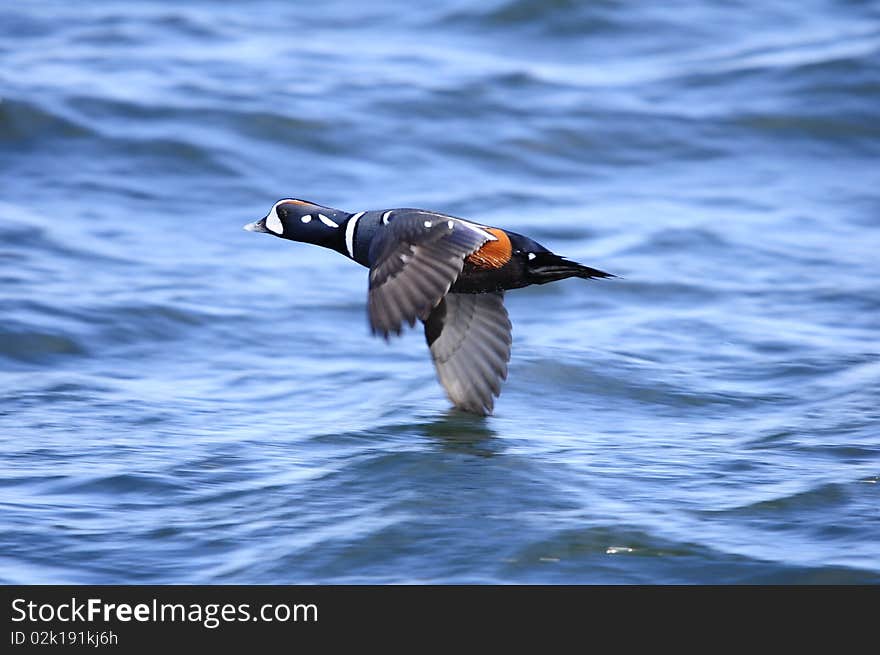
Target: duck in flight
<point>447,272</point>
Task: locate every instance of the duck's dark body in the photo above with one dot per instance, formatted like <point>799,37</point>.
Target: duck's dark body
<point>446,271</point>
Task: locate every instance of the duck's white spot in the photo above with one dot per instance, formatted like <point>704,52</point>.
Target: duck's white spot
<point>327,221</point>
<point>273,223</point>
<point>385,217</point>
<point>532,256</point>
<point>306,218</point>
<point>349,233</point>
<point>450,224</point>
<point>479,229</point>
<point>428,223</point>
<point>405,258</point>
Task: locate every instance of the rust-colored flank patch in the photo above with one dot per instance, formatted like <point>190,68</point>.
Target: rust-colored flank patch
<point>493,254</point>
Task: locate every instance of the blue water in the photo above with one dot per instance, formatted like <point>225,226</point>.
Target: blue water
<point>185,402</point>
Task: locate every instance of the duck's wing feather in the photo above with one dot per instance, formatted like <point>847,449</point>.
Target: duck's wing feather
<point>469,336</point>
<point>414,260</point>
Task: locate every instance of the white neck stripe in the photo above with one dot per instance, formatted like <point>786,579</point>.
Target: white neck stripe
<point>349,233</point>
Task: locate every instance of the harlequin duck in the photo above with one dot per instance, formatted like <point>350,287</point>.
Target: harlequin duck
<point>448,272</point>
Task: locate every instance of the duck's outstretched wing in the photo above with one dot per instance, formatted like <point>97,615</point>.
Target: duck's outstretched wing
<point>469,335</point>
<point>414,260</point>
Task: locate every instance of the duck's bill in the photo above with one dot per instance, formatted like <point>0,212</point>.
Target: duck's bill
<point>257,226</point>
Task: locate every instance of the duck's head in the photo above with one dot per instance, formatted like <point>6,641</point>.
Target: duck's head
<point>300,220</point>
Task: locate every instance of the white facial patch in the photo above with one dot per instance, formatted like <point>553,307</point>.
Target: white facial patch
<point>532,256</point>
<point>327,221</point>
<point>306,218</point>
<point>273,223</point>
<point>385,217</point>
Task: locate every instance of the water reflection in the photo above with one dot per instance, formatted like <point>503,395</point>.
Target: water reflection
<point>457,431</point>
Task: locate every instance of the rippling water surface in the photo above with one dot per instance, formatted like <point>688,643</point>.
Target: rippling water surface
<point>183,402</point>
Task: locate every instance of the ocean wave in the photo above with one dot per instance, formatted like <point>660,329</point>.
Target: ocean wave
<point>560,17</point>
<point>22,121</point>
<point>36,344</point>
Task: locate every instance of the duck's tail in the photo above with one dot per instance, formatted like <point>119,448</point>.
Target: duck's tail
<point>546,267</point>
